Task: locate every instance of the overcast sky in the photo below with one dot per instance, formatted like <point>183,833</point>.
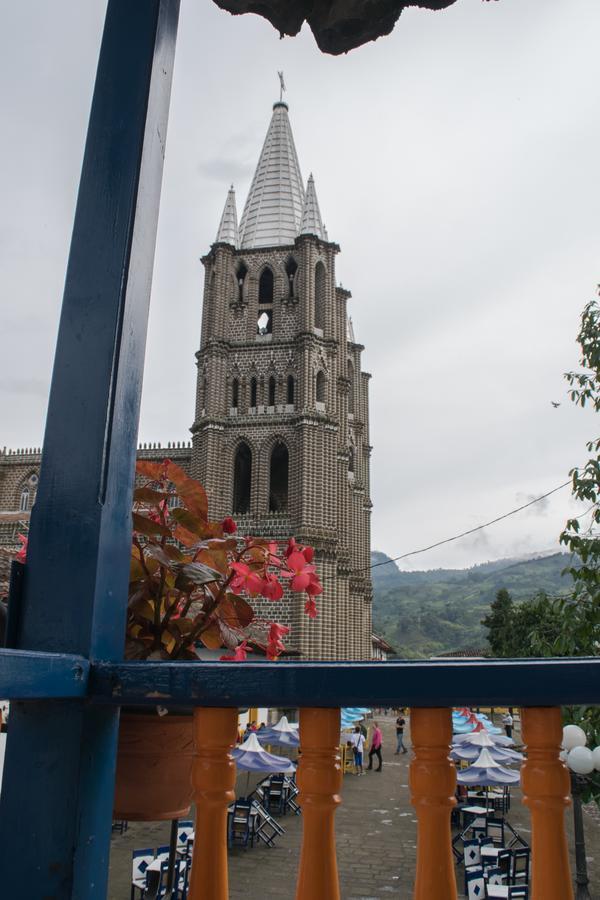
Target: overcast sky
<point>456,163</point>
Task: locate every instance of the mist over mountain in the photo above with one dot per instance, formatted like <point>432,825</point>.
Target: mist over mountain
<point>424,613</point>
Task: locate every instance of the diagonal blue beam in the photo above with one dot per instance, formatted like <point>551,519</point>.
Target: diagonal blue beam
<point>32,676</point>
<point>56,802</point>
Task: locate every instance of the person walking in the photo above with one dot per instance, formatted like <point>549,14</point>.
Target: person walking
<point>507,721</point>
<point>358,746</point>
<point>400,723</point>
<point>376,744</point>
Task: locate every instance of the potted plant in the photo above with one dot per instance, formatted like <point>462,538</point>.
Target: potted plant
<point>192,582</point>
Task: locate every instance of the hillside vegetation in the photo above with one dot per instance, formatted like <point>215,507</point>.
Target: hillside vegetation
<point>425,613</point>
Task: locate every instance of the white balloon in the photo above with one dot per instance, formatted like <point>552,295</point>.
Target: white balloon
<point>596,757</point>
<point>580,760</point>
<point>563,755</point>
<point>573,736</point>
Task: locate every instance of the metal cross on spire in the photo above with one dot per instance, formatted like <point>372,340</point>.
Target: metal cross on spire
<point>281,86</point>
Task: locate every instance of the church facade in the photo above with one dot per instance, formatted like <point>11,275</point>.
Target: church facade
<point>280,437</point>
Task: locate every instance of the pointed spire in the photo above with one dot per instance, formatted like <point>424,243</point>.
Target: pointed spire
<point>311,215</point>
<point>273,210</point>
<point>228,229</point>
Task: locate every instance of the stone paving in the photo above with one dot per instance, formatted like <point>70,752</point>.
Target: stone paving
<point>376,840</point>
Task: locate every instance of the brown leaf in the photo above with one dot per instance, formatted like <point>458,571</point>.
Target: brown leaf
<point>191,491</point>
<point>211,638</point>
<point>244,611</point>
<point>144,525</point>
<point>149,469</point>
<point>230,636</point>
<point>148,495</point>
<point>197,572</point>
<point>159,555</point>
<point>216,559</point>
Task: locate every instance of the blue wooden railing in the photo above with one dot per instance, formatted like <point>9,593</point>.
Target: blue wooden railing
<point>65,672</point>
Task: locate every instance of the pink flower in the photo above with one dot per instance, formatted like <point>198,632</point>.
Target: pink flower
<point>310,608</point>
<point>299,571</point>
<point>274,644</point>
<point>308,553</point>
<point>271,588</point>
<point>22,554</point>
<point>245,579</point>
<point>314,587</point>
<point>291,546</point>
<point>239,654</point>
<point>228,525</point>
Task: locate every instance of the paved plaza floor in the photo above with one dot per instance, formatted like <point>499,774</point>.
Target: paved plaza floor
<point>376,840</point>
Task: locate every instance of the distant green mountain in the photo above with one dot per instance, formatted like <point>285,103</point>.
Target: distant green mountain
<point>426,613</point>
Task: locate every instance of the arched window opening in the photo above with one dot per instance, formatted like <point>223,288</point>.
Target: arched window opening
<point>265,286</point>
<point>320,296</point>
<point>253,392</point>
<point>320,387</point>
<point>291,267</point>
<point>278,489</point>
<point>290,390</point>
<point>235,393</point>
<point>272,386</point>
<point>242,479</point>
<point>351,460</point>
<point>240,275</point>
<point>24,501</point>
<point>351,387</point>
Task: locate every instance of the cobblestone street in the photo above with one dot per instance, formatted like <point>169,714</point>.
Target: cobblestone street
<point>376,840</point>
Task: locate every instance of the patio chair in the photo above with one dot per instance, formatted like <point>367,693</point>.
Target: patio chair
<point>120,826</point>
<point>471,858</point>
<point>156,882</point>
<point>292,793</point>
<point>185,830</point>
<point>140,860</point>
<point>521,892</point>
<point>267,828</point>
<point>494,875</point>
<point>240,824</point>
<point>520,866</point>
<point>471,853</point>
<point>505,863</point>
<point>495,830</point>
<point>275,794</point>
<point>475,884</point>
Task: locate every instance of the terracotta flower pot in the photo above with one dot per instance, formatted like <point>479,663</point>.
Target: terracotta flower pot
<point>154,763</point>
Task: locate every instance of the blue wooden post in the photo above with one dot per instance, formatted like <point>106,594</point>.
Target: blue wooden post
<point>57,793</point>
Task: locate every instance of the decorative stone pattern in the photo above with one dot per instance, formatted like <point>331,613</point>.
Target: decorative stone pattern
<point>327,440</point>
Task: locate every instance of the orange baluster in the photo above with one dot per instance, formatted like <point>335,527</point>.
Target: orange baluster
<point>433,785</point>
<point>545,781</point>
<point>319,779</point>
<point>213,780</point>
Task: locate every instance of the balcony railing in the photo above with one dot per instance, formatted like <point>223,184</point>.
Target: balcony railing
<point>216,690</point>
<point>67,614</point>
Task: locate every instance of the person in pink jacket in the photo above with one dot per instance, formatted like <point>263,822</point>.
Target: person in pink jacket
<point>376,744</point>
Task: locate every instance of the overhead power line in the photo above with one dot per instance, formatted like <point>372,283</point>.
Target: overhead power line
<point>456,537</point>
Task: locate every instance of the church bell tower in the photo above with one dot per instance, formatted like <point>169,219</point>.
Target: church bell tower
<point>281,430</point>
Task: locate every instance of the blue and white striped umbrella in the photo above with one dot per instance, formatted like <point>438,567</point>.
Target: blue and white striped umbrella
<point>485,772</point>
<point>284,734</point>
<point>251,757</point>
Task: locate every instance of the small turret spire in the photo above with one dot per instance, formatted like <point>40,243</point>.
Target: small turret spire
<point>228,228</point>
<point>311,222</point>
